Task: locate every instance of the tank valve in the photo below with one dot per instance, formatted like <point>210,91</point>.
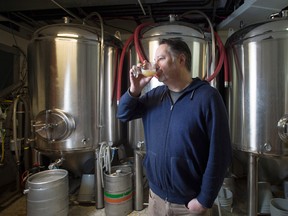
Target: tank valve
<point>267,147</point>
<point>282,14</point>
<point>85,141</point>
<point>56,164</point>
<point>140,145</point>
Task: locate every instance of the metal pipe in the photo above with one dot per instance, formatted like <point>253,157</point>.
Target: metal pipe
<point>23,130</point>
<point>99,194</point>
<point>36,157</point>
<point>17,151</point>
<point>56,164</point>
<point>6,91</point>
<point>100,78</point>
<point>3,18</point>
<point>212,37</point>
<point>138,200</point>
<point>100,114</point>
<point>20,126</point>
<point>142,8</point>
<point>253,185</point>
<point>67,11</point>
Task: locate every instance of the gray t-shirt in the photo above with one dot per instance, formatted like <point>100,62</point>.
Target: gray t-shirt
<point>175,95</point>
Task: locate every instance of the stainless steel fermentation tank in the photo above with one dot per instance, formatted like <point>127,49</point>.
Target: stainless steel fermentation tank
<point>258,97</point>
<point>71,83</point>
<point>258,100</point>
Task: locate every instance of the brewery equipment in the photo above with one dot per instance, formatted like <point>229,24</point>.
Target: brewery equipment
<point>257,99</point>
<point>71,82</point>
<point>258,104</point>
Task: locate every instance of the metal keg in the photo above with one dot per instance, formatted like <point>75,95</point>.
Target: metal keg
<point>48,193</point>
<point>118,191</point>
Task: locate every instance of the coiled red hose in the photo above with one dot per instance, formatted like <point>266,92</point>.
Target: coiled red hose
<point>136,36</point>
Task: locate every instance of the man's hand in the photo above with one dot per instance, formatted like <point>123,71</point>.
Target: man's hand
<point>195,207</point>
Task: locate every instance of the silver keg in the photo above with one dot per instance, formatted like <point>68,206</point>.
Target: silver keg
<point>48,193</point>
<point>118,191</point>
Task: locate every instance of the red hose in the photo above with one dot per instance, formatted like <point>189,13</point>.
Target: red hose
<point>221,59</point>
<point>226,71</point>
<point>142,57</point>
<point>138,46</point>
<point>120,68</point>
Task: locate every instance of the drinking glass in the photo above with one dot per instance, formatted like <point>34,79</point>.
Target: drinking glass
<point>147,69</point>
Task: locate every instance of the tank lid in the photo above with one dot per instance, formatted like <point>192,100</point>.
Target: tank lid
<point>260,29</point>
<point>174,29</point>
<point>273,26</point>
<point>68,30</point>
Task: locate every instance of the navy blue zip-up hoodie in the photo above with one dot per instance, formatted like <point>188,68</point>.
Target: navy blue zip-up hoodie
<point>188,147</point>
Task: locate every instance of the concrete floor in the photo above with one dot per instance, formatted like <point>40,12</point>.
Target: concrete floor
<point>18,206</point>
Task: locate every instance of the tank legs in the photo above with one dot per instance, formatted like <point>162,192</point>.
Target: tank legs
<point>99,194</point>
<point>253,185</point>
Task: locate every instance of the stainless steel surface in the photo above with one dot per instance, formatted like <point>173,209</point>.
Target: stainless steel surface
<point>138,181</point>
<point>253,185</point>
<point>196,39</point>
<point>258,97</point>
<point>48,193</point>
<point>112,128</point>
<point>54,125</point>
<point>118,190</point>
<point>99,192</point>
<point>270,169</point>
<point>273,169</point>
<point>63,72</point>
<point>72,101</point>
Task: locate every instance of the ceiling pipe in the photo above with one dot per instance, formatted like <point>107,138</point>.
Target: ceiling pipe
<point>142,8</point>
<point>2,18</point>
<point>70,13</point>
